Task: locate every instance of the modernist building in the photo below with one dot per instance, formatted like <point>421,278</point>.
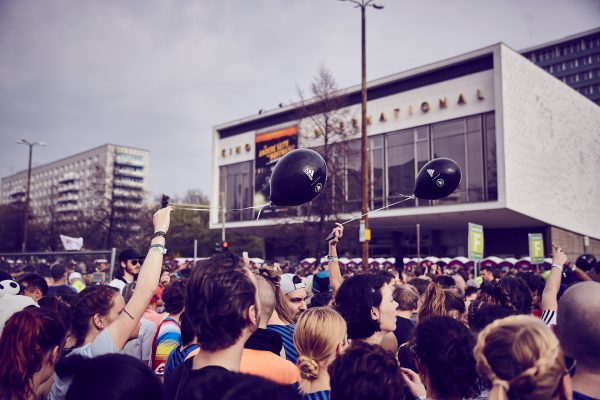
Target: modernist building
<point>110,175</point>
<point>528,146</point>
<point>575,60</point>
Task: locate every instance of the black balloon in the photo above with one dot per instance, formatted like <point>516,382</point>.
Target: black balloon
<point>585,262</point>
<point>298,177</point>
<point>437,179</point>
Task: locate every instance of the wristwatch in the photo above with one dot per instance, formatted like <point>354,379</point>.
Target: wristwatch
<point>159,247</point>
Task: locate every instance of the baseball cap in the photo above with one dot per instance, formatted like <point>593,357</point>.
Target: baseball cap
<point>74,275</point>
<point>321,282</point>
<point>129,254</point>
<point>290,282</point>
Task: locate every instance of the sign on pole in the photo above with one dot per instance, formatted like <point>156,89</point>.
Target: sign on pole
<point>536,248</point>
<point>475,241</point>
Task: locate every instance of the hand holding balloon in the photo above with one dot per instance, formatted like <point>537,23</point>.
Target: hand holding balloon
<point>335,235</point>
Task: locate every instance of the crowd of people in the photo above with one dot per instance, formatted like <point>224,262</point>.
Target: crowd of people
<point>226,329</point>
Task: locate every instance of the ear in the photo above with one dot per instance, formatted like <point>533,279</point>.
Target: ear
<point>37,293</point>
<point>98,321</point>
<point>375,313</point>
<point>54,355</point>
<point>341,348</point>
<point>123,264</point>
<point>253,314</point>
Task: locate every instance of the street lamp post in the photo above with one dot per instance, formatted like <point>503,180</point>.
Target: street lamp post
<point>364,163</point>
<point>26,212</point>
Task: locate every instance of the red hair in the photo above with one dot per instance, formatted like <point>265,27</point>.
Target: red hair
<point>28,337</point>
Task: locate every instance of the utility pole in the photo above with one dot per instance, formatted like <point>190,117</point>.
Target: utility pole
<point>222,195</point>
<point>26,211</point>
<point>364,162</point>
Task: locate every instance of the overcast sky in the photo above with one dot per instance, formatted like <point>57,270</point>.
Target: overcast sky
<point>159,74</point>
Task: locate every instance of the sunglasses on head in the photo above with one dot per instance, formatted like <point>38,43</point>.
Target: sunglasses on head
<point>296,280</point>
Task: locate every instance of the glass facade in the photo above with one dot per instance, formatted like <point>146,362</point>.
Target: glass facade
<point>394,161</point>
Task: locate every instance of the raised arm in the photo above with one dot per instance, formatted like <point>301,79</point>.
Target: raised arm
<point>549,296</point>
<point>335,275</point>
<point>122,328</point>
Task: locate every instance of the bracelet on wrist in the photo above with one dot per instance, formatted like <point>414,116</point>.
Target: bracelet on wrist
<point>159,233</point>
<point>159,248</point>
<point>332,258</point>
<point>560,267</point>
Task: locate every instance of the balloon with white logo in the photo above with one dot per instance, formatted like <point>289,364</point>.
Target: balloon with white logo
<point>437,179</point>
<point>298,177</point>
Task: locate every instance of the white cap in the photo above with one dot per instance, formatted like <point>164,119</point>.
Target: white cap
<point>74,275</point>
<point>290,282</point>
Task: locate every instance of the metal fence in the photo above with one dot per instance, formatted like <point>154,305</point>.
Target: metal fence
<point>92,259</point>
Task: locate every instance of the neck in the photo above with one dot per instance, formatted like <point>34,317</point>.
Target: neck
<point>128,277</point>
<point>321,383</point>
<point>275,320</point>
<point>91,335</point>
<point>229,358</point>
<point>60,282</point>
<point>375,338</point>
<point>404,314</point>
<point>586,381</point>
<point>177,317</point>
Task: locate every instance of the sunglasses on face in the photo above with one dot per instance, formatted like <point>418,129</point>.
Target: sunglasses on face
<point>134,262</point>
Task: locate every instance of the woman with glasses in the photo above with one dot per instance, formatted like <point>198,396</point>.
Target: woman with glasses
<point>101,322</point>
<point>522,359</point>
<point>319,338</point>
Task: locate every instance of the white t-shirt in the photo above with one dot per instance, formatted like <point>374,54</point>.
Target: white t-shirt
<point>141,347</point>
<point>118,283</point>
<point>103,344</point>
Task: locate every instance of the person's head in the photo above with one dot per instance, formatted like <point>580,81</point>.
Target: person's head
<point>174,296</point>
<point>366,303</point>
<point>407,298</point>
<point>514,294</point>
<point>129,264</point>
<point>130,378</point>
<point>221,302</point>
<point>489,274</point>
<point>420,284</point>
<point>294,290</point>
<point>443,350</point>
<point>366,371</point>
<point>483,314</point>
<point>440,302</point>
<point>30,345</point>
<point>34,286</point>
<point>266,298</point>
<point>74,277</point>
<point>58,306</point>
<point>94,309</point>
<point>522,359</point>
<point>320,336</point>
<point>59,273</point>
<point>578,324</point>
<point>187,330</point>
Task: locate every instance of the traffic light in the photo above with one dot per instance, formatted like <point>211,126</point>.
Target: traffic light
<point>165,201</point>
<point>225,246</point>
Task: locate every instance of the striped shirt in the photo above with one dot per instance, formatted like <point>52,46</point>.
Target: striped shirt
<point>287,336</point>
<point>167,339</point>
<point>322,395</point>
<point>549,317</point>
<point>177,357</point>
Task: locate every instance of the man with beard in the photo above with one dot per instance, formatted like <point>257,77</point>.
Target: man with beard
<point>127,270</point>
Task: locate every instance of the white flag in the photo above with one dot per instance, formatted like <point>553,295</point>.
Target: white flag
<point>70,243</point>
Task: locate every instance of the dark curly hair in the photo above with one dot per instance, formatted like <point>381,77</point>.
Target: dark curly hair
<point>354,301</point>
<point>219,291</point>
<point>513,293</point>
<point>444,346</point>
<point>366,371</point>
<point>174,296</point>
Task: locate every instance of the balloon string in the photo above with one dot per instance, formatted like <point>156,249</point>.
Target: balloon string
<point>218,209</point>
<point>411,197</point>
<point>261,208</point>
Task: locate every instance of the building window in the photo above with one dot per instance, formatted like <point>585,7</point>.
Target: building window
<point>236,185</point>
